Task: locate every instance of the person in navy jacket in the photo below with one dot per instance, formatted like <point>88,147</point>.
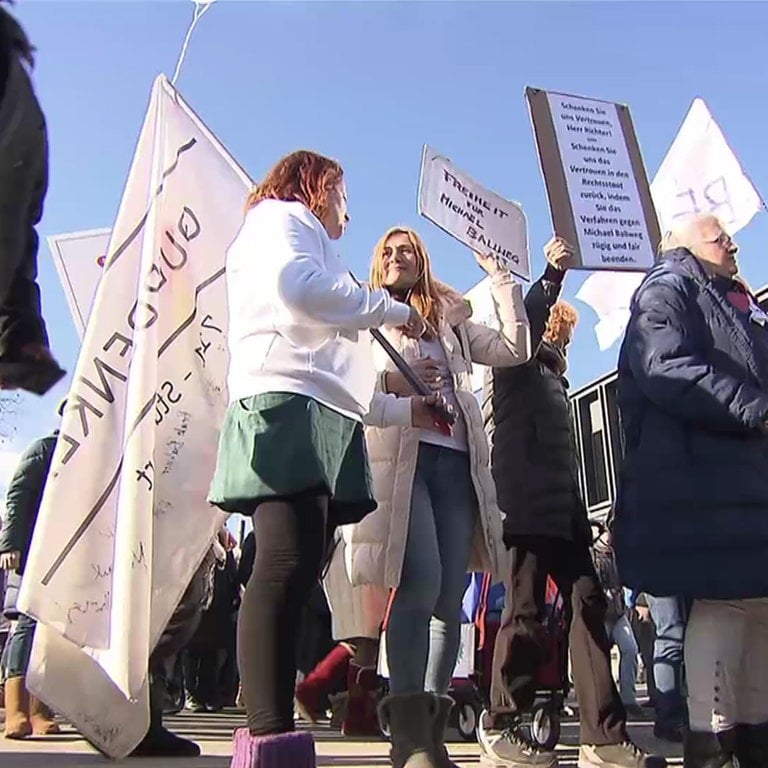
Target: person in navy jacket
<point>692,508</point>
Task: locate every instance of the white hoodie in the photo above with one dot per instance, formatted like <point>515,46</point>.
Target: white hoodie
<point>295,313</point>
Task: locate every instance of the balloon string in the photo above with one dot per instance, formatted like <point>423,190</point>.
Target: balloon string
<point>200,9</point>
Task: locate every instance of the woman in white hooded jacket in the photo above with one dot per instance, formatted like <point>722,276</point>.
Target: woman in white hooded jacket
<point>437,516</point>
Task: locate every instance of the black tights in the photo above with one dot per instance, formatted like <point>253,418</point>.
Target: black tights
<point>291,541</point>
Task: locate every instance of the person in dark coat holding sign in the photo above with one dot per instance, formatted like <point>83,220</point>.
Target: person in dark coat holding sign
<point>692,507</point>
<point>547,532</point>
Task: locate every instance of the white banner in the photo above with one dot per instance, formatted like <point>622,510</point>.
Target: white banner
<point>475,216</point>
<point>699,174</point>
<point>79,258</point>
<point>124,521</point>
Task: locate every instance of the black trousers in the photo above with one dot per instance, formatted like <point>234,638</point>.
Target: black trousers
<point>291,542</point>
<point>178,632</point>
<point>519,650</point>
<point>23,186</point>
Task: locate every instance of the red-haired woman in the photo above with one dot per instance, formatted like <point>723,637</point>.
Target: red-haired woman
<point>292,451</point>
<point>437,516</point>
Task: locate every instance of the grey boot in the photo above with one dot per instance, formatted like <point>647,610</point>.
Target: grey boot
<point>439,728</point>
<point>410,719</point>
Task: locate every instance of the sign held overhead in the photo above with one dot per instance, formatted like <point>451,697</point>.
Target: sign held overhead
<point>596,182</point>
<point>475,216</point>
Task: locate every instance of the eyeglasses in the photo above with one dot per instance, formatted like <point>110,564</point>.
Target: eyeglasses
<point>723,239</point>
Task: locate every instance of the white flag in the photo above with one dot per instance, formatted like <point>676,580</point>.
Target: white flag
<point>124,521</point>
<point>700,174</point>
<point>79,258</point>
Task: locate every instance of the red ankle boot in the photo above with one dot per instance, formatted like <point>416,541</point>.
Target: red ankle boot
<point>312,691</point>
<point>363,697</point>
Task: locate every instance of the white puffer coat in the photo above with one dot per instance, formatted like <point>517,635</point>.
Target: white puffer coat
<point>375,547</point>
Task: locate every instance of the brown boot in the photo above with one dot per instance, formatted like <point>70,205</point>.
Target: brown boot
<point>17,723</point>
<point>43,723</point>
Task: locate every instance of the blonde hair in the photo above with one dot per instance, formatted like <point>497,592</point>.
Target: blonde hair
<point>425,296</point>
<point>562,320</point>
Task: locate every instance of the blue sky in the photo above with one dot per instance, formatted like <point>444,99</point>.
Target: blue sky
<point>370,83</point>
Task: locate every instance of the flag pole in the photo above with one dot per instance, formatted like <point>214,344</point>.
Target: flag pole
<point>201,6</point>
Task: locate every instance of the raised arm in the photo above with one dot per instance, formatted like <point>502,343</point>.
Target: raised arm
<point>511,344</point>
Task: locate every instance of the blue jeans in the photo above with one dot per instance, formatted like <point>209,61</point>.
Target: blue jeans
<point>425,620</point>
<point>670,616</point>
<point>19,647</point>
<point>620,632</point>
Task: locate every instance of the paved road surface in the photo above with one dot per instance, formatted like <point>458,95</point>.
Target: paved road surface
<point>214,732</point>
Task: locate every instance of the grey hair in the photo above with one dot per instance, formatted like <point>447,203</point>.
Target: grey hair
<point>684,233</point>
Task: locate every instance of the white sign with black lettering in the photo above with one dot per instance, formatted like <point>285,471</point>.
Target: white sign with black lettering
<point>475,216</point>
<point>607,207</point>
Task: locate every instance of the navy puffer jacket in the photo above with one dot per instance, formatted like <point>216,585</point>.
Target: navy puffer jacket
<point>692,508</point>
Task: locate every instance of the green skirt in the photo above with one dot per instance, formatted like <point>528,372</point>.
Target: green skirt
<point>275,446</point>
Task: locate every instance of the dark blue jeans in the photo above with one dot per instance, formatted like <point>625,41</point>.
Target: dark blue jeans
<point>19,647</point>
<point>669,614</point>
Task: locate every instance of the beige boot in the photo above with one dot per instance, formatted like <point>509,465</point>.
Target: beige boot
<point>17,724</point>
<point>439,728</point>
<point>410,721</point>
<point>43,722</point>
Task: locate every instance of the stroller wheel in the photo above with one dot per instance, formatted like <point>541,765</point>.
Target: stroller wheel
<point>545,726</point>
<point>467,721</point>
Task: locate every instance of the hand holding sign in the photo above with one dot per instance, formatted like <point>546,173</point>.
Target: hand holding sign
<point>559,253</point>
<point>474,215</point>
<point>489,263</point>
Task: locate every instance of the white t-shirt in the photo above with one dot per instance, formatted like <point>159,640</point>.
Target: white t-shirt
<point>458,440</point>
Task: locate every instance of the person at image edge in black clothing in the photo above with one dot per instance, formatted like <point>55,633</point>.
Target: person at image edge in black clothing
<point>26,361</point>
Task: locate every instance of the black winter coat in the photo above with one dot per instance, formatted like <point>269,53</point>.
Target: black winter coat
<point>23,497</point>
<point>528,422</point>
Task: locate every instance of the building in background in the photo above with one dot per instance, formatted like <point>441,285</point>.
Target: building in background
<point>599,438</point>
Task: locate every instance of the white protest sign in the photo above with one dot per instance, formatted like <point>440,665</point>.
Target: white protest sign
<point>596,181</point>
<point>699,174</point>
<point>475,216</point>
<point>79,258</point>
<point>139,436</point>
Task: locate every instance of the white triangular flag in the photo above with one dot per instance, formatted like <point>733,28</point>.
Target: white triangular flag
<point>124,521</point>
<point>699,174</point>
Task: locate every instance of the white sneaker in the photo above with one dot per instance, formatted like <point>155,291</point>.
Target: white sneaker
<point>509,747</point>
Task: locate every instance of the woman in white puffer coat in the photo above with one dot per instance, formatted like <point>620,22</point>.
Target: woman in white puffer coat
<point>437,516</point>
